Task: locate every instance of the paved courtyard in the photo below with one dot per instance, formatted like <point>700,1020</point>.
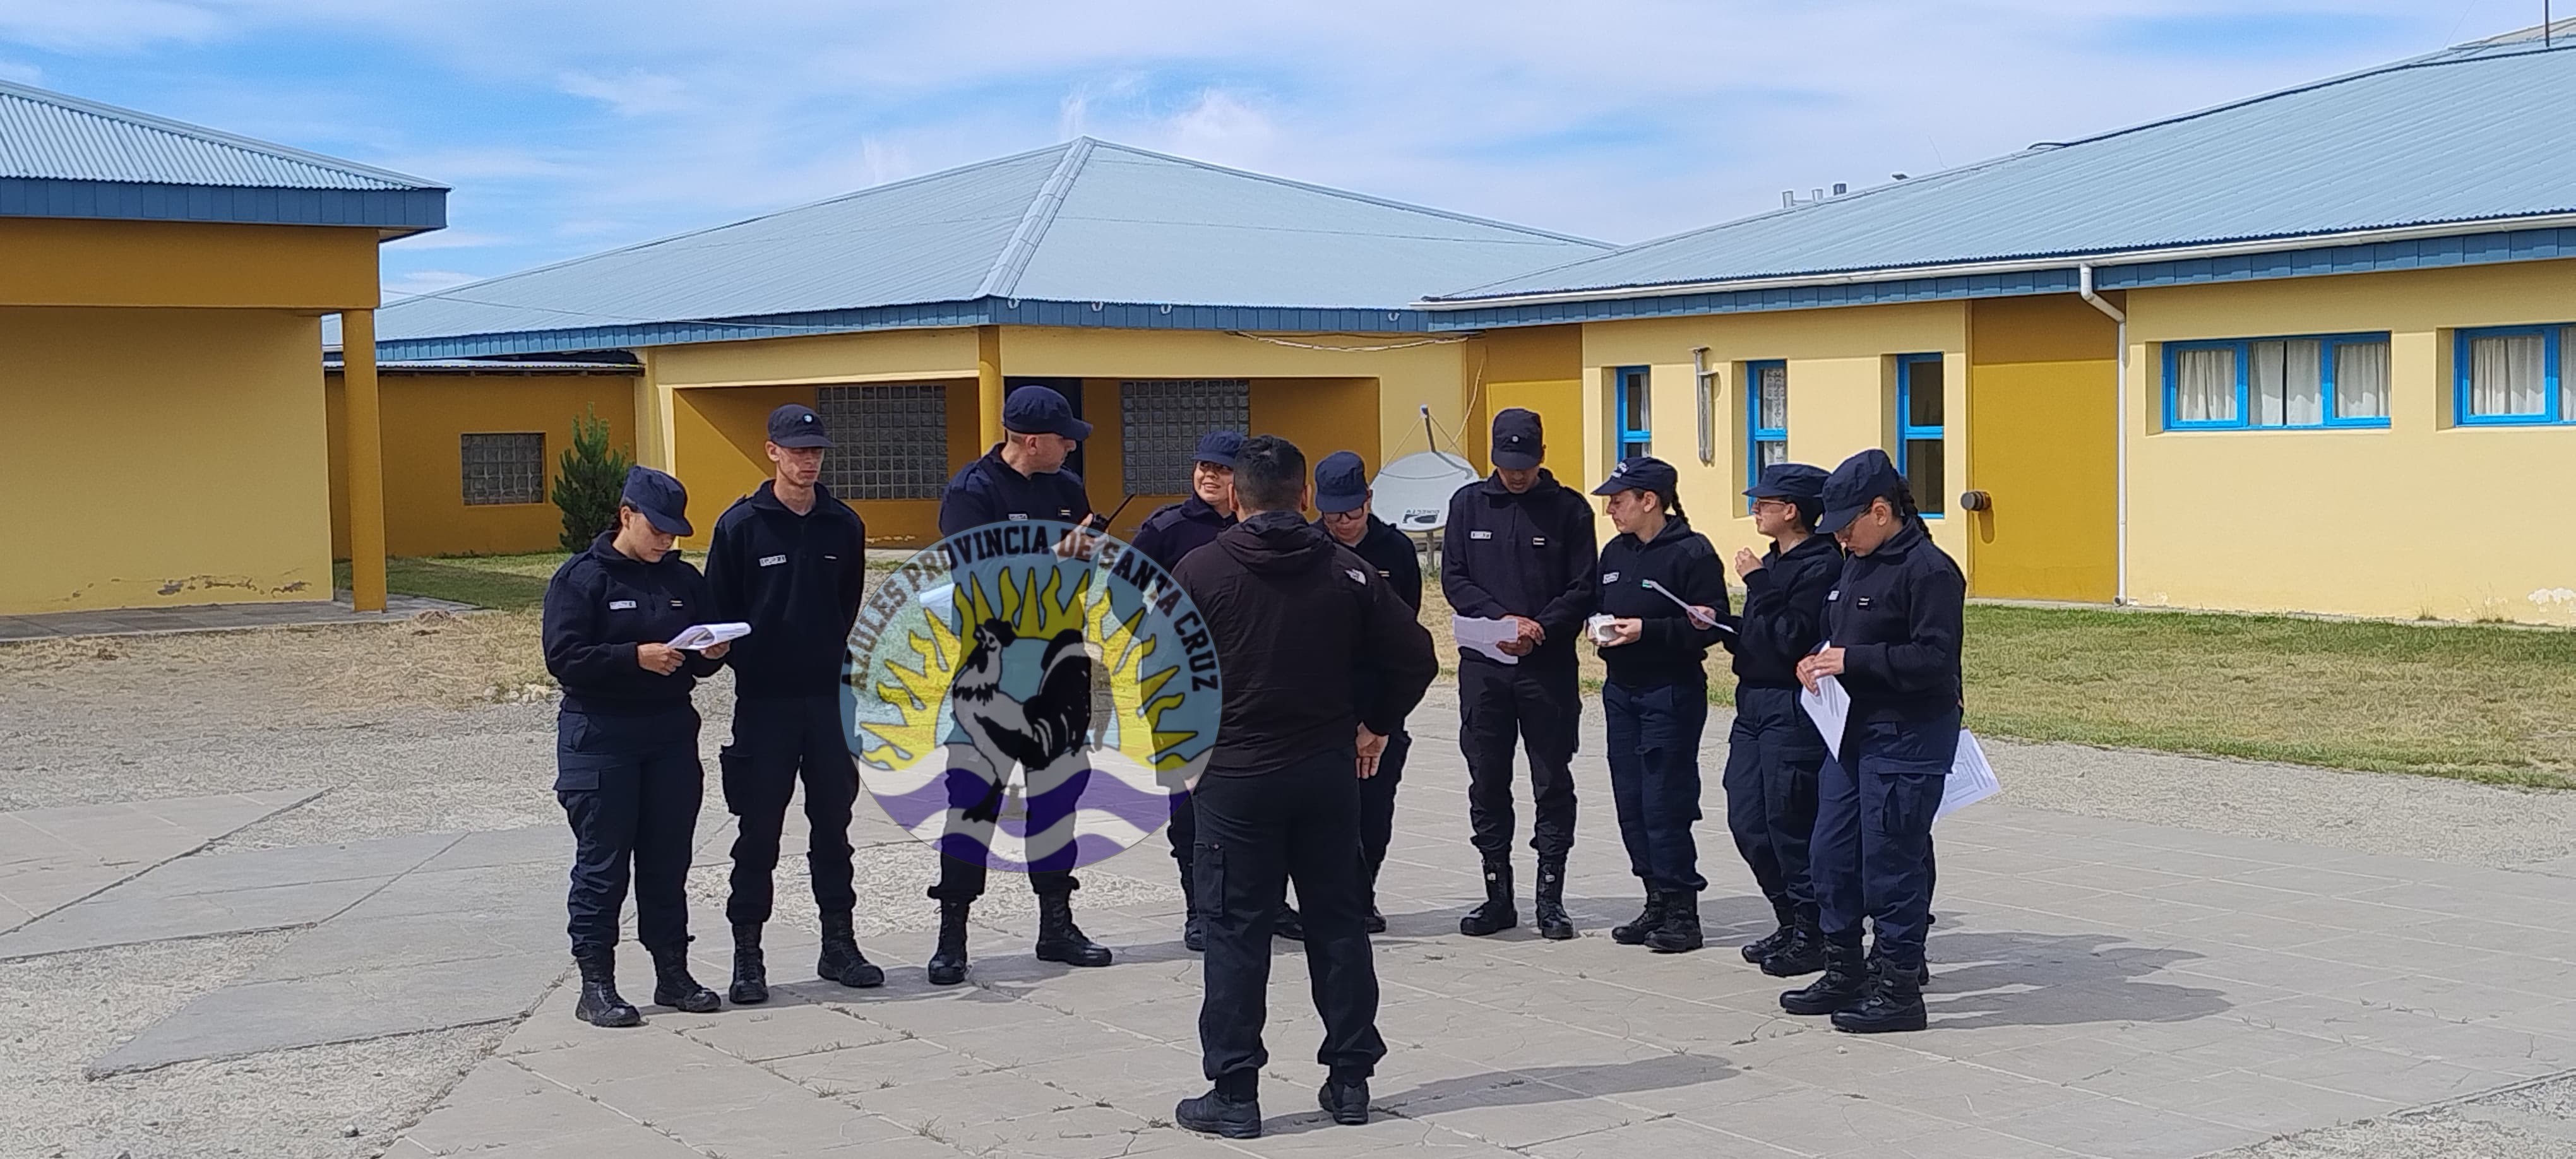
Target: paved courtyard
<point>2105,988</point>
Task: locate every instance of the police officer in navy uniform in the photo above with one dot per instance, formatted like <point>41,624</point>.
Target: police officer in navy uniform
<point>1342,496</point>
<point>626,742</point>
<point>1893,622</point>
<point>1174,530</point>
<point>1021,478</point>
<point>1520,547</point>
<point>1773,753</point>
<point>1664,588</point>
<point>1319,661</point>
<point>790,560</point>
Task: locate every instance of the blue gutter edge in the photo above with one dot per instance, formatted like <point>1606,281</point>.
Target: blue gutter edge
<point>405,210</point>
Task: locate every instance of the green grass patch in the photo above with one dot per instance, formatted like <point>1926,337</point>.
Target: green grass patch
<point>510,583</point>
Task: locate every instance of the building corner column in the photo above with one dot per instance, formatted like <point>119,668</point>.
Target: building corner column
<point>988,386</point>
<point>363,434</point>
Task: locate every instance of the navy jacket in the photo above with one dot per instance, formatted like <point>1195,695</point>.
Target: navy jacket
<point>1309,643</point>
<point>1177,529</point>
<point>1784,612</point>
<point>1392,553</point>
<point>1529,554</point>
<point>1897,614</point>
<point>990,491</point>
<point>1669,649</point>
<point>599,606</point>
<point>796,580</point>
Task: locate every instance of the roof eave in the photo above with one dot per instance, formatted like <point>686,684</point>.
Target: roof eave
<point>395,212</point>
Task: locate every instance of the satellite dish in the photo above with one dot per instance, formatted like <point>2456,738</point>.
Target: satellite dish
<point>1413,492</point>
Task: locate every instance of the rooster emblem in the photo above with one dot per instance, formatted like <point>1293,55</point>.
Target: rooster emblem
<point>1032,734</point>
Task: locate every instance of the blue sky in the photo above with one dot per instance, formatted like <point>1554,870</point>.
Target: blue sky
<point>574,126</point>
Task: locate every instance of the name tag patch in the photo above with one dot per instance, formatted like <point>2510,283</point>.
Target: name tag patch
<point>621,605</point>
<point>1019,515</point>
<point>772,560</point>
<point>1862,602</point>
<point>1538,541</point>
<point>1833,595</point>
<point>1609,577</point>
<point>1480,535</point>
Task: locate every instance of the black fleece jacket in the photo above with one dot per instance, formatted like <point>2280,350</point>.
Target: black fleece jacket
<point>1529,554</point>
<point>796,580</point>
<point>1898,614</point>
<point>1669,649</point>
<point>599,606</point>
<point>1784,611</point>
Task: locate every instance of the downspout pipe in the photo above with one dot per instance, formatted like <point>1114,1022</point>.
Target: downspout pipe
<point>2120,379</point>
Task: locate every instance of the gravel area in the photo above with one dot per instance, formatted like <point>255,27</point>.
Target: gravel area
<point>2536,1121</point>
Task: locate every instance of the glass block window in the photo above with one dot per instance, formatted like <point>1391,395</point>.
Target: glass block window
<point>507,468</point>
<point>888,442</point>
<point>1160,422</point>
<point>1766,418</point>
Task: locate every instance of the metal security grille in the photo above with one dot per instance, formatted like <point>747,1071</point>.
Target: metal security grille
<point>504,468</point>
<point>888,442</point>
<point>1161,421</point>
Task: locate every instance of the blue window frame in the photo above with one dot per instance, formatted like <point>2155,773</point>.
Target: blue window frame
<point>2512,376</point>
<point>1921,456</point>
<point>1766,417</point>
<point>2302,382</point>
<point>1632,419</point>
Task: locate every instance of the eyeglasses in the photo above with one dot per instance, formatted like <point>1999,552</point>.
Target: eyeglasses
<point>1774,505</point>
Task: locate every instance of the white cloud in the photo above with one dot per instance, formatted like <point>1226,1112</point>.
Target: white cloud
<point>636,93</point>
<point>447,239</point>
<point>92,25</point>
<point>425,282</point>
<point>25,74</point>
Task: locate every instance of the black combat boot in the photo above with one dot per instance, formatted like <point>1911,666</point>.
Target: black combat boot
<point>1680,932</point>
<point>750,970</point>
<point>948,962</point>
<point>1773,942</point>
<point>1895,1004</point>
<point>1346,1099</point>
<point>1193,927</point>
<point>1805,953</point>
<point>1552,922</point>
<point>600,1004</point>
<point>1844,985</point>
<point>1497,914</point>
<point>1648,920</point>
<point>1217,1113</point>
<point>1059,940</point>
<point>841,960</point>
<point>1375,923</point>
<point>673,987</point>
<point>1922,974</point>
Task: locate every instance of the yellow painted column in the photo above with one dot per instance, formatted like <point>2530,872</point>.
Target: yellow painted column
<point>365,463</point>
<point>988,385</point>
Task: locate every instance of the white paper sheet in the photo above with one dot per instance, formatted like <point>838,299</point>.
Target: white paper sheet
<point>700,637</point>
<point>1971,778</point>
<point>1830,707</point>
<point>1688,612</point>
<point>1484,636</point>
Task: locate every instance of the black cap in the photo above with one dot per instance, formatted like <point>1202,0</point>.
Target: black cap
<point>1643,473</point>
<point>660,497</point>
<point>796,425</point>
<point>1039,410</point>
<point>1218,447</point>
<point>1341,483</point>
<point>1862,478</point>
<point>1796,482</point>
<point>1517,441</point>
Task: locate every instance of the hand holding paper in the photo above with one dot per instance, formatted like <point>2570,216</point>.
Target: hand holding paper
<point>1697,618</point>
<point>1486,637</point>
<point>700,637</point>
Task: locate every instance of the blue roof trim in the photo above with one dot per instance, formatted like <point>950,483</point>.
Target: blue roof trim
<point>408,210</point>
<point>2448,252</point>
<point>978,312</point>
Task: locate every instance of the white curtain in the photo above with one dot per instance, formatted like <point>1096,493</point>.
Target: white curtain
<point>2361,380</point>
<point>2205,390</point>
<point>2566,397</point>
<point>1773,412</point>
<point>2285,383</point>
<point>2505,375</point>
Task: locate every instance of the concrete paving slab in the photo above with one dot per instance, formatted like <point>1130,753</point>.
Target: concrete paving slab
<point>109,920</point>
<point>50,858</point>
<point>350,1006</point>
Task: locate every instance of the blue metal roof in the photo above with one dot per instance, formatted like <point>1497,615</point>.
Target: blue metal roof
<point>61,156</point>
<point>2471,135</point>
<point>1084,233</point>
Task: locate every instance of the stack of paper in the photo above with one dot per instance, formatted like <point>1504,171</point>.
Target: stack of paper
<point>700,637</point>
<point>1485,636</point>
<point>1971,779</point>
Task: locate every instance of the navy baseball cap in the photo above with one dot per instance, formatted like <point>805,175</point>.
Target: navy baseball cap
<point>1517,441</point>
<point>1643,473</point>
<point>660,497</point>
<point>1341,483</point>
<point>796,425</point>
<point>1218,447</point>
<point>1039,410</point>
<point>1867,476</point>
<point>1796,482</point>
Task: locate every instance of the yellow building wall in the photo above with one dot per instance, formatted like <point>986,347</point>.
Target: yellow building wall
<point>59,262</point>
<point>2043,398</point>
<point>2425,518</point>
<point>425,417</point>
<point>1536,368</point>
<point>161,457</point>
<point>1842,398</point>
<point>1321,416</point>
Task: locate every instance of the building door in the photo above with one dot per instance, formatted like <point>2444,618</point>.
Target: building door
<point>2043,446</point>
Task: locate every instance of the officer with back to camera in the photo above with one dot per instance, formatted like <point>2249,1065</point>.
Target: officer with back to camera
<point>1893,622</point>
<point>1342,496</point>
<point>790,560</point>
<point>1773,752</point>
<point>1519,546</point>
<point>626,742</point>
<point>1021,478</point>
<point>1319,661</point>
<point>1174,530</point>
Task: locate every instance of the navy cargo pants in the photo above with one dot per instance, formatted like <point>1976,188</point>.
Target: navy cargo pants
<point>1773,757</point>
<point>1654,779</point>
<point>630,787</point>
<point>1872,853</point>
<point>1538,707</point>
<point>775,742</point>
